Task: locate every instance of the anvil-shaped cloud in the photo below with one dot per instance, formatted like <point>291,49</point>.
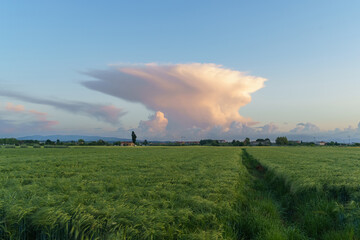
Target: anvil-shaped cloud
<point>190,95</point>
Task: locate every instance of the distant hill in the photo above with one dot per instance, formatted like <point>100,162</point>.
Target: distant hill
<point>68,138</point>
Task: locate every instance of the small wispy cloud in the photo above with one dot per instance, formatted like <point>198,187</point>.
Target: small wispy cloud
<point>106,113</point>
<point>305,128</point>
<point>15,108</point>
<point>27,120</point>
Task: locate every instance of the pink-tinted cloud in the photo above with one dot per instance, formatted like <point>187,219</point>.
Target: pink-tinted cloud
<point>106,113</point>
<point>190,95</point>
<point>28,120</point>
<point>42,118</point>
<point>13,107</point>
<point>37,113</point>
<point>155,125</point>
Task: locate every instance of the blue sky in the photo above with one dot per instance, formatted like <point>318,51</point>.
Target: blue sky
<point>307,50</point>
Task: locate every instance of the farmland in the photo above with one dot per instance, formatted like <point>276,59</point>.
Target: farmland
<point>119,193</point>
<point>308,167</point>
<point>179,193</point>
<point>317,187</point>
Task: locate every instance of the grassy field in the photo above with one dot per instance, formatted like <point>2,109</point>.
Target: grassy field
<point>316,187</point>
<point>313,167</point>
<point>119,193</point>
<point>270,193</point>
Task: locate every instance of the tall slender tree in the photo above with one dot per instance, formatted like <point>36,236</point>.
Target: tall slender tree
<point>133,137</point>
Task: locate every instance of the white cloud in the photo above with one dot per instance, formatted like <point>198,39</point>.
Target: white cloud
<point>190,95</point>
<point>305,128</point>
<point>155,125</point>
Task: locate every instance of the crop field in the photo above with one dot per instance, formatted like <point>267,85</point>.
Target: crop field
<point>179,193</point>
<point>119,193</point>
<point>313,167</point>
<point>318,187</point>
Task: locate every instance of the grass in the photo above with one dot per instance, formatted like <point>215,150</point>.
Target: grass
<point>268,193</point>
<point>312,167</point>
<point>119,193</point>
<point>315,188</point>
<point>261,214</point>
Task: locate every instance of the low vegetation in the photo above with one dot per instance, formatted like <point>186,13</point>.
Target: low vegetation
<point>298,193</point>
<point>119,193</point>
<point>316,188</point>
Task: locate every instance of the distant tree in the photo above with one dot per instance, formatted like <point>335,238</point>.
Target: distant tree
<point>81,141</point>
<point>247,141</point>
<point>9,141</point>
<point>92,143</point>
<point>282,141</point>
<point>237,143</point>
<point>101,142</point>
<point>205,141</point>
<point>267,142</point>
<point>58,142</point>
<point>133,137</point>
<point>145,142</point>
<point>209,142</point>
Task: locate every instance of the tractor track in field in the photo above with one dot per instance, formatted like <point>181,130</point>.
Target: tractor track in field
<point>287,215</point>
<point>263,214</point>
<point>265,208</point>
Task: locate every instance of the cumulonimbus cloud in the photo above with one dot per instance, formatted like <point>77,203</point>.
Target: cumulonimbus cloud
<point>106,113</point>
<point>190,95</point>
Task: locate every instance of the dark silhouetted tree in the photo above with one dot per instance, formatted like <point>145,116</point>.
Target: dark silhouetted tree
<point>133,137</point>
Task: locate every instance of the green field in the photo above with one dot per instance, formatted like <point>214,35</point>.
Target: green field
<point>313,167</point>
<point>318,188</point>
<point>179,193</point>
<point>118,193</point>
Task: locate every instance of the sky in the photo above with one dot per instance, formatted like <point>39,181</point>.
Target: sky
<point>188,70</point>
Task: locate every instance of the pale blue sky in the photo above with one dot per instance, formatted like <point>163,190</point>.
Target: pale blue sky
<point>308,50</point>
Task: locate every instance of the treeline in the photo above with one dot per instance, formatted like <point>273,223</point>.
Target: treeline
<point>48,142</point>
<point>280,141</point>
<point>14,141</point>
<point>245,142</point>
<point>285,142</point>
